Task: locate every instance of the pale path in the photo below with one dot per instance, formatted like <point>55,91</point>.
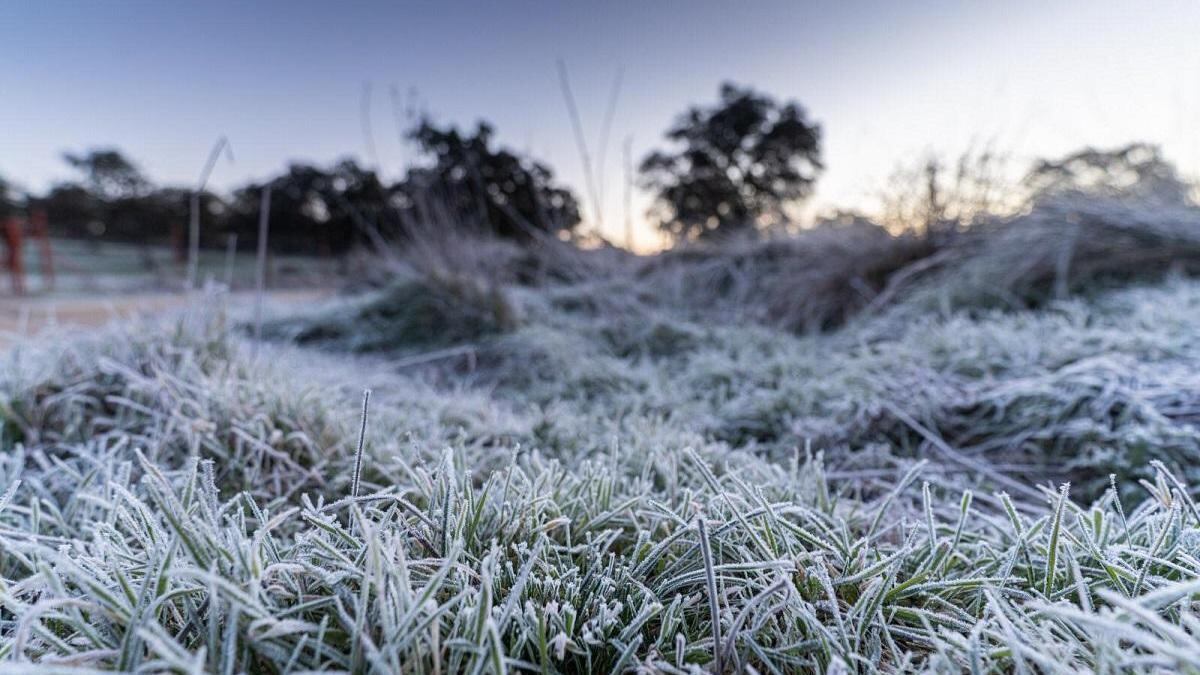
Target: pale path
<point>30,314</point>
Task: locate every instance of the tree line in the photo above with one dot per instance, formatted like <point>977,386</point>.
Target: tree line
<point>318,209</point>
<point>732,166</point>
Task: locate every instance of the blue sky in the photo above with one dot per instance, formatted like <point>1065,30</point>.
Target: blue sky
<point>887,80</point>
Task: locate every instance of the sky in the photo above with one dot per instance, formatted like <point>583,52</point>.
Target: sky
<point>889,82</point>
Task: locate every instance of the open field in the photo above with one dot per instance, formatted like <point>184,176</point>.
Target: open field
<point>592,473</point>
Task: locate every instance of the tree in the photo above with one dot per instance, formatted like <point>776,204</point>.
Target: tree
<point>8,198</point>
<point>314,210</point>
<point>112,200</point>
<point>73,210</point>
<point>108,174</point>
<point>1137,170</point>
<point>737,167</point>
<point>468,181</point>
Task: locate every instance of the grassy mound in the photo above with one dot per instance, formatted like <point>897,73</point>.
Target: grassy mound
<point>1063,247</point>
<point>409,313</point>
<point>823,278</point>
<point>807,283</point>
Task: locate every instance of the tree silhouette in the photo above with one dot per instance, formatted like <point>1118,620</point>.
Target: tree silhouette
<point>468,181</point>
<point>326,210</point>
<point>113,200</point>
<point>8,197</point>
<point>108,174</point>
<point>314,210</point>
<point>737,166</point>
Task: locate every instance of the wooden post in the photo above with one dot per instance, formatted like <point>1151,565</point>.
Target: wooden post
<point>14,242</point>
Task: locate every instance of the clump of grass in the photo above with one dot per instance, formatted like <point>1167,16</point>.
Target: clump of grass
<point>811,282</point>
<point>411,313</point>
<point>1060,247</point>
<point>179,395</point>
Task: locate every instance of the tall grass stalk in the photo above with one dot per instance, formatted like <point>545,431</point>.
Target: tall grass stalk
<point>193,261</point>
<point>362,442</point>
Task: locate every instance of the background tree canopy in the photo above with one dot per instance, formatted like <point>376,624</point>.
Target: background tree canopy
<point>7,197</point>
<point>108,174</point>
<point>461,180</point>
<point>736,167</point>
<point>468,181</point>
<point>314,209</point>
<point>1136,170</point>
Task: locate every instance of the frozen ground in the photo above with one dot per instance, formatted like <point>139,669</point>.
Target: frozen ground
<point>585,483</point>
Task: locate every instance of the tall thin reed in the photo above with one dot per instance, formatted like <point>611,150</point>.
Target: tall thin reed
<point>193,262</point>
<point>362,441</point>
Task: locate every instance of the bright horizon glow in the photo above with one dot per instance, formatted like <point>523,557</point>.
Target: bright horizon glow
<point>888,83</point>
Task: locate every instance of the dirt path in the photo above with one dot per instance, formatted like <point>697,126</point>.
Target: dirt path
<point>20,316</point>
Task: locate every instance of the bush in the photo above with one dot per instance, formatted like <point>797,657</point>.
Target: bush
<point>408,314</point>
